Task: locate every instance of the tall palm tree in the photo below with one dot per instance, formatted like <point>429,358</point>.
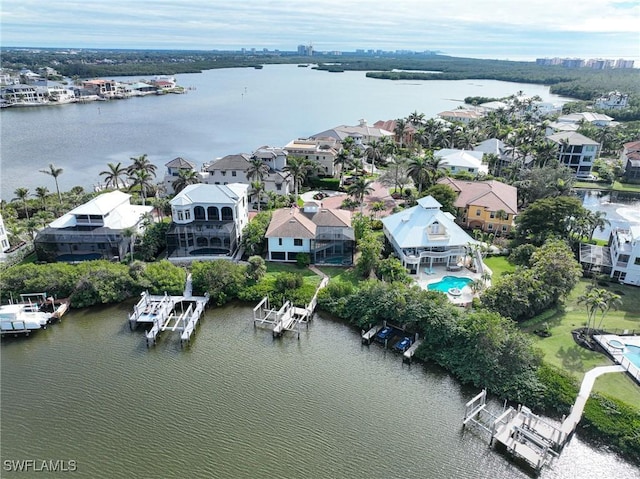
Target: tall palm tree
<point>360,188</point>
<point>184,179</point>
<point>342,161</point>
<point>54,172</point>
<point>142,180</point>
<point>416,119</point>
<point>436,169</point>
<point>142,163</point>
<point>112,176</point>
<point>374,152</point>
<point>595,220</point>
<point>42,192</point>
<point>257,189</point>
<point>297,169</point>
<point>419,171</point>
<point>400,130</point>
<point>257,170</point>
<point>21,195</point>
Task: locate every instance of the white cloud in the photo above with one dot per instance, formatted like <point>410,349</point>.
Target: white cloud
<point>334,24</point>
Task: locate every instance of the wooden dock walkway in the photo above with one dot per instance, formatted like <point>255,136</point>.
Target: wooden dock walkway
<point>526,435</point>
<point>288,317</point>
<point>367,336</point>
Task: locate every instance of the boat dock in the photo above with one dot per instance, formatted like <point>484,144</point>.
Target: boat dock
<point>169,313</point>
<point>368,336</point>
<point>524,434</point>
<point>407,356</point>
<point>288,317</point>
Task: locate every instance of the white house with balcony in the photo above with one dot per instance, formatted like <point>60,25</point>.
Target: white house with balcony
<point>172,173</point>
<point>424,236</point>
<point>323,151</point>
<point>207,220</point>
<point>624,245</point>
<point>576,151</point>
<point>102,228</point>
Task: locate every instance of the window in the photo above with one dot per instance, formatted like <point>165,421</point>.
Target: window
<point>277,255</point>
<point>297,242</point>
<point>492,215</point>
<point>233,173</point>
<point>490,226</point>
<point>504,228</point>
<point>180,216</point>
<point>279,186</point>
<point>478,212</point>
<point>637,261</point>
<point>224,173</point>
<point>279,241</point>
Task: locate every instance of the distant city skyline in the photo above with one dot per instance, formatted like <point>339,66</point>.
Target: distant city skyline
<point>483,28</point>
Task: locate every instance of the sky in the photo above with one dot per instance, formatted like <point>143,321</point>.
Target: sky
<point>504,29</point>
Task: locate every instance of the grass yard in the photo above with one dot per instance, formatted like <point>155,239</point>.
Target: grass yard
<point>561,351</point>
<point>340,274</point>
<point>499,265</point>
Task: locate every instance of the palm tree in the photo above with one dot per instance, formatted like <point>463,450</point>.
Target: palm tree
<point>142,163</point>
<point>595,220</point>
<point>400,130</point>
<point>416,119</point>
<point>21,195</point>
<point>42,192</point>
<point>141,179</point>
<point>374,152</point>
<point>130,234</point>
<point>436,169</point>
<point>297,169</point>
<point>257,189</point>
<point>55,172</point>
<point>184,179</point>
<point>342,160</point>
<point>597,300</point>
<point>257,170</point>
<point>43,218</point>
<point>113,175</point>
<point>419,171</point>
<point>359,189</point>
<point>377,207</point>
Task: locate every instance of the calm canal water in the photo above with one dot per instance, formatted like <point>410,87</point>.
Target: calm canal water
<point>226,111</point>
<point>238,404</point>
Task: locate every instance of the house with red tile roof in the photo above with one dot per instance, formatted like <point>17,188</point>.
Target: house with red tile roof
<point>485,205</point>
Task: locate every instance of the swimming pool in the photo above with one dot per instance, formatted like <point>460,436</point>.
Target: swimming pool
<point>449,282</point>
<point>633,354</point>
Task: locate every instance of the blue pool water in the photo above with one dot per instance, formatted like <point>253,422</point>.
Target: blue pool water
<point>633,355</point>
<point>448,282</point>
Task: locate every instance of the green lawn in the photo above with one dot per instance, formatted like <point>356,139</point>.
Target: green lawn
<point>340,274</point>
<point>561,351</point>
<point>499,265</point>
<point>617,186</point>
<point>273,268</point>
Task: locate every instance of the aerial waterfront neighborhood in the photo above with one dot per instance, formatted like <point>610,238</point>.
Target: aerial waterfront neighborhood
<point>499,241</point>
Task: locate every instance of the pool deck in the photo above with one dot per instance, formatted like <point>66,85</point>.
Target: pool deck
<point>609,343</point>
<point>426,277</point>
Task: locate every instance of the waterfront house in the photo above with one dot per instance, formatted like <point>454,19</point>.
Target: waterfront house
<point>576,151</point>
<point>102,228</point>
<point>464,116</point>
<point>322,150</point>
<point>595,119</point>
<point>614,100</point>
<point>362,133</point>
<point>424,236</point>
<point>23,95</point>
<point>456,161</point>
<point>326,235</point>
<point>630,159</point>
<point>102,88</point>
<point>490,206</point>
<point>233,169</point>
<point>624,245</point>
<point>174,167</point>
<point>207,220</point>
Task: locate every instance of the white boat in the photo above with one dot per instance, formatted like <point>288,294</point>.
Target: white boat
<point>22,318</point>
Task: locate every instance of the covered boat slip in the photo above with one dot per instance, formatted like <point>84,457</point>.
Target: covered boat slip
<point>34,311</point>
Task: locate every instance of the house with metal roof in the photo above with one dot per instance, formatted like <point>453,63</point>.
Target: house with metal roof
<point>424,236</point>
<point>457,161</point>
<point>207,220</point>
<point>98,229</point>
<point>489,206</point>
<point>630,158</point>
<point>326,235</point>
